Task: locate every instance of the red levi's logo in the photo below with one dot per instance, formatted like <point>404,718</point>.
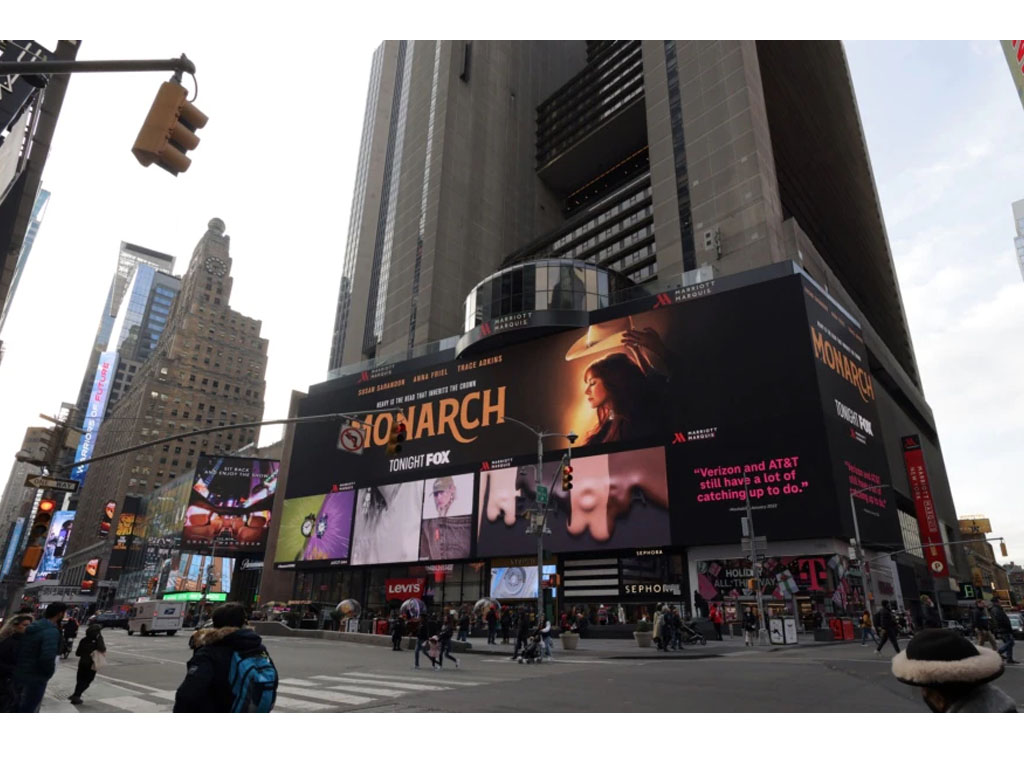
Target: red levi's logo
<point>402,589</point>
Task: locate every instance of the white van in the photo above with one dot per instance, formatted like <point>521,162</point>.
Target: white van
<point>155,616</point>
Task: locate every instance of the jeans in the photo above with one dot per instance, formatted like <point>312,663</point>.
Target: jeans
<point>490,634</point>
<point>446,652</point>
<point>31,696</point>
<point>865,631</point>
<point>547,646</point>
<point>422,645</point>
<point>1007,648</point>
<point>463,635</point>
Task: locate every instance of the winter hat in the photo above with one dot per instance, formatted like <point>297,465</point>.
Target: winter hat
<point>943,657</point>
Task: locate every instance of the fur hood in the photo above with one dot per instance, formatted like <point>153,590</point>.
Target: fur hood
<point>236,638</point>
<point>211,635</point>
<point>973,670</point>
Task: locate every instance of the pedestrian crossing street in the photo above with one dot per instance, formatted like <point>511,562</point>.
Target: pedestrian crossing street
<point>317,693</point>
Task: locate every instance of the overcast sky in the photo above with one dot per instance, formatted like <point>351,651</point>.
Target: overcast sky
<point>944,127</point>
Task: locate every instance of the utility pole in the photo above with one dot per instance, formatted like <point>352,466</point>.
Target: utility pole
<point>755,560</point>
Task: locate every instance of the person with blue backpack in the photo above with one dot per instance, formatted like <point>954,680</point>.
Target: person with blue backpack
<point>230,669</point>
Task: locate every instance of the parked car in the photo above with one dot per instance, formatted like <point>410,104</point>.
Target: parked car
<point>1017,625</point>
<point>109,620</point>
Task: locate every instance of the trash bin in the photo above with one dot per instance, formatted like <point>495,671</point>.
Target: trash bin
<point>381,628</point>
<point>847,629</point>
<point>836,626</point>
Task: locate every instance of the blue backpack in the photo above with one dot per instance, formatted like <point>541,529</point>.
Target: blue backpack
<point>253,680</point>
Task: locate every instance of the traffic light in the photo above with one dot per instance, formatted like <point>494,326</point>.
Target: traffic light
<point>396,437</point>
<point>752,585</point>
<point>169,130</point>
<point>37,536</point>
<point>566,478</point>
<point>1002,548</point>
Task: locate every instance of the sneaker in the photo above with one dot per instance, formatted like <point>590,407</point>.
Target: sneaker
<point>878,652</point>
<point>456,663</point>
<point>75,701</point>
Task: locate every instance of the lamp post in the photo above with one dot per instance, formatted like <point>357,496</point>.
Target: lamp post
<point>860,547</point>
<point>540,434</point>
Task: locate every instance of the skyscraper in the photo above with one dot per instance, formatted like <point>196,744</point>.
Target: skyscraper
<point>1018,241</point>
<point>207,370</point>
<point>36,220</point>
<point>667,161</point>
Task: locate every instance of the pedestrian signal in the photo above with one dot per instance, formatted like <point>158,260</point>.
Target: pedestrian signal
<point>396,437</point>
<point>567,478</point>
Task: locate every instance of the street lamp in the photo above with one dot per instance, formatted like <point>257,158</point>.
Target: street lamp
<point>860,547</point>
<point>540,434</point>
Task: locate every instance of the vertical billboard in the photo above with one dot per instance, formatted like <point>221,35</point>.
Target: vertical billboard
<point>12,547</point>
<point>229,504</point>
<point>94,412</point>
<point>56,543</point>
<point>92,570</point>
<point>927,519</point>
<point>107,518</point>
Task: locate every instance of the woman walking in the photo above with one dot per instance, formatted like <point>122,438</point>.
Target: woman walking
<point>90,644</point>
<point>10,641</point>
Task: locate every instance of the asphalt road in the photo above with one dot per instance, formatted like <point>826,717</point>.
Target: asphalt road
<point>330,676</point>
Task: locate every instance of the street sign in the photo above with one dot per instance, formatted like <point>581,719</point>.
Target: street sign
<point>351,440</point>
<point>760,542</point>
<point>542,494</point>
<point>51,483</point>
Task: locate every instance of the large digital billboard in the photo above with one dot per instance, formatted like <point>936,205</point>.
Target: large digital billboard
<point>686,405</point>
<point>190,572</point>
<point>95,411</point>
<point>56,543</point>
<point>230,504</point>
<point>316,529</point>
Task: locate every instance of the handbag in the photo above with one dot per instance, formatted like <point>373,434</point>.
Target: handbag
<point>99,660</point>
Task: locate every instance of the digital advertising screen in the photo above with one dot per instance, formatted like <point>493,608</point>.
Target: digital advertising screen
<point>518,582</point>
<point>230,502</point>
<point>686,406</point>
<point>316,528</point>
<point>427,519</point>
<point>56,543</point>
<point>190,571</point>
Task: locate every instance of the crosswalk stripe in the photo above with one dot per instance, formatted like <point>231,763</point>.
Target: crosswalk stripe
<point>371,691</point>
<point>133,704</point>
<point>169,695</point>
<point>445,681</point>
<point>388,684</point>
<point>295,681</point>
<point>298,704</point>
<point>339,698</point>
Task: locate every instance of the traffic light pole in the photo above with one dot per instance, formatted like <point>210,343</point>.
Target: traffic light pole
<point>755,563</point>
<point>181,64</point>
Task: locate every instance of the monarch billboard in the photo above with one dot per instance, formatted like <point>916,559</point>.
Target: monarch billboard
<point>685,405</point>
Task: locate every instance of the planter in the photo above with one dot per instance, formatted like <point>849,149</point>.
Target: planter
<point>643,639</point>
<point>570,641</point>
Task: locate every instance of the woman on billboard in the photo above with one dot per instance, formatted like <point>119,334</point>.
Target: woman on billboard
<point>626,389</point>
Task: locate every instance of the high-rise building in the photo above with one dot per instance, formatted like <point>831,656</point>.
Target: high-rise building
<point>38,211</point>
<point>662,160</point>
<point>207,370</point>
<point>1018,241</point>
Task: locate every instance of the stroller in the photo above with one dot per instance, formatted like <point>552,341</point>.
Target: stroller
<point>533,652</point>
<point>691,636</point>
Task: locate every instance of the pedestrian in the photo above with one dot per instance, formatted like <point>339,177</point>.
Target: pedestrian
<point>751,628</point>
<point>445,640</point>
<point>866,628</point>
<point>492,623</point>
<point>37,657</point>
<point>522,635</point>
<point>11,636</point>
<point>230,669</point>
<point>983,625</point>
<point>464,627</point>
<point>422,641</point>
<point>717,619</point>
<point>69,631</point>
<point>397,630</point>
<point>929,614</point>
<point>954,675</point>
<point>506,626</point>
<point>887,628</point>
<point>676,627</point>
<point>88,665</point>
<point>659,629</point>
<point>1002,626</point>
<point>545,635</point>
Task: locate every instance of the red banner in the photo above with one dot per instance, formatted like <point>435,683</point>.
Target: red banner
<point>403,589</point>
<point>927,520</point>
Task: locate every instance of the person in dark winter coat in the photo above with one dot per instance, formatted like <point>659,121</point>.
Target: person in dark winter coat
<point>954,674</point>
<point>93,641</point>
<point>423,643</point>
<point>37,657</point>
<point>1003,628</point>
<point>751,627</point>
<point>207,687</point>
<point>929,614</point>
<point>522,634</point>
<point>464,627</point>
<point>506,626</point>
<point>11,635</point>
<point>888,630</point>
<point>397,630</point>
<point>445,639</point>
<point>492,624</point>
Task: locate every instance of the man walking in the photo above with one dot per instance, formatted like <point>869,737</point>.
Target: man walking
<point>422,642</point>
<point>522,634</point>
<point>929,613</point>
<point>983,625</point>
<point>1004,630</point>
<point>37,657</point>
<point>750,628</point>
<point>888,630</point>
<point>463,627</point>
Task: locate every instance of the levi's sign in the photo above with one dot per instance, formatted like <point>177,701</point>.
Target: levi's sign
<point>402,589</point>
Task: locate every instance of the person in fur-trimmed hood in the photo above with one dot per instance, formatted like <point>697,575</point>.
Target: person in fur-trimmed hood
<point>206,687</point>
<point>953,674</point>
